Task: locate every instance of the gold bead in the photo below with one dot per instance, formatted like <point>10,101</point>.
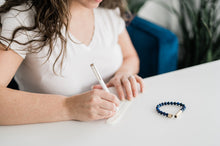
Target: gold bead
<point>170,115</point>
<point>178,113</point>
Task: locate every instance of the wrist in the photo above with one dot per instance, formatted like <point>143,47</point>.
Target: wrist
<point>67,112</point>
<point>70,108</point>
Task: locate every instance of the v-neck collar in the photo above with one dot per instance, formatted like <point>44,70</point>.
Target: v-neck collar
<point>75,40</point>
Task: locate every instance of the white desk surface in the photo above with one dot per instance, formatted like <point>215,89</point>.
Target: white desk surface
<point>198,87</point>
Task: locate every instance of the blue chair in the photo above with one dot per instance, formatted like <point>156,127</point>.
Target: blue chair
<point>157,47</point>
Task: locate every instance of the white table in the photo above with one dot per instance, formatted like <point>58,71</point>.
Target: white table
<point>199,125</point>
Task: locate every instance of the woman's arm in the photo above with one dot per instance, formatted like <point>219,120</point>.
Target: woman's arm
<point>131,61</point>
<point>19,107</point>
<point>125,78</point>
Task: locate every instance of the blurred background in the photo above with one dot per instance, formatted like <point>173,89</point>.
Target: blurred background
<point>195,22</point>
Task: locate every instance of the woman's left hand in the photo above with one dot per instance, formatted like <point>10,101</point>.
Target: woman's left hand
<point>125,82</point>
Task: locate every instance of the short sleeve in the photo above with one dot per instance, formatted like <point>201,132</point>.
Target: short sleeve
<point>120,23</point>
<point>11,21</point>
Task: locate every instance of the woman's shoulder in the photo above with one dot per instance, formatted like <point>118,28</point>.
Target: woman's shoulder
<point>24,14</point>
<point>104,12</point>
<point>111,18</point>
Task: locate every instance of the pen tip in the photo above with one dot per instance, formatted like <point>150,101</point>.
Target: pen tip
<point>92,64</point>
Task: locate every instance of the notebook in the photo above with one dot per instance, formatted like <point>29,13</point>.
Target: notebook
<point>124,105</point>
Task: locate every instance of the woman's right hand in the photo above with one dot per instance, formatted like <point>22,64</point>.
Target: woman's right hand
<point>92,105</point>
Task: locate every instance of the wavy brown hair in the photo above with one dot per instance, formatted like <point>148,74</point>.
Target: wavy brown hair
<point>50,17</point>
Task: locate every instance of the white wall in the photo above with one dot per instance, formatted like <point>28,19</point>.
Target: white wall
<point>1,2</point>
<point>156,13</point>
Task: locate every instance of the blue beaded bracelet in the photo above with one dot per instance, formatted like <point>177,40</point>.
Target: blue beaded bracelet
<point>170,103</point>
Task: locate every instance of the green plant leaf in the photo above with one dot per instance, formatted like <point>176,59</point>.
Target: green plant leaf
<point>207,28</point>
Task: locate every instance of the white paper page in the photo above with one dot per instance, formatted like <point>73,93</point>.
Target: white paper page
<point>124,105</point>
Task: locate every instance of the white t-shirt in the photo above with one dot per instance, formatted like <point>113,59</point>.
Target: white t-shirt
<point>36,76</point>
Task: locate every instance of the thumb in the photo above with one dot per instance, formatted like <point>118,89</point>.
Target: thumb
<point>109,84</point>
<point>96,87</point>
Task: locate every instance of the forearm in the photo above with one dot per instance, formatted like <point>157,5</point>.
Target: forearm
<point>18,107</point>
<point>131,61</point>
<point>130,65</point>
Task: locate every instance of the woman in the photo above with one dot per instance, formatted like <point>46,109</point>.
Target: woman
<point>50,45</point>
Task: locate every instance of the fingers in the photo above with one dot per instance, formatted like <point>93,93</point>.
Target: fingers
<point>127,86</point>
<point>105,114</point>
<point>133,83</point>
<point>141,82</point>
<point>106,105</point>
<point>96,87</point>
<point>120,90</point>
<point>106,109</point>
<point>99,105</point>
<point>109,84</point>
<point>100,87</point>
<point>108,97</point>
<point>100,114</point>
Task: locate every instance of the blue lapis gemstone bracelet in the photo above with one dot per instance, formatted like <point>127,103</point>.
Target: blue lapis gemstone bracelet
<point>183,107</point>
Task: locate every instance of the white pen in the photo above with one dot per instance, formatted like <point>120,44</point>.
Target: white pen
<point>98,76</point>
<point>101,82</point>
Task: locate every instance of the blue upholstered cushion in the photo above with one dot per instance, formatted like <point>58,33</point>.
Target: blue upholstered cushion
<point>157,47</point>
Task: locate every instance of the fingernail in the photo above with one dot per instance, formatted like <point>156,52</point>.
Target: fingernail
<point>136,94</point>
<point>129,98</point>
<point>92,87</point>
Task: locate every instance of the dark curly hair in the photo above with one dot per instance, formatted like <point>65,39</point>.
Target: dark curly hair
<point>51,16</point>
